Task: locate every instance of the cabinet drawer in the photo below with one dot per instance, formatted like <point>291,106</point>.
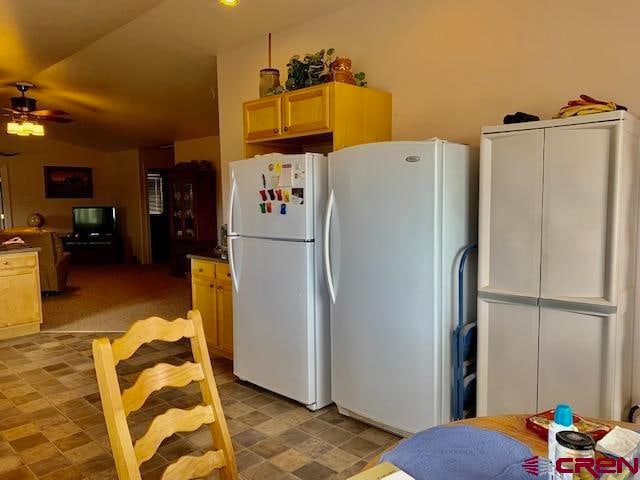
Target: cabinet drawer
<point>203,268</point>
<point>222,271</point>
<point>17,261</point>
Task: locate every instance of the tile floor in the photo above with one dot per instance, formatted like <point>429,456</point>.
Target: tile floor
<point>51,424</point>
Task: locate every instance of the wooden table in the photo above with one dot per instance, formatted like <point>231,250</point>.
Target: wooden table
<point>515,427</point>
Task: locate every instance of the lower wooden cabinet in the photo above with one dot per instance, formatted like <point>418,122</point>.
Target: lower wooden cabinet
<point>20,303</point>
<point>211,294</point>
<point>224,303</point>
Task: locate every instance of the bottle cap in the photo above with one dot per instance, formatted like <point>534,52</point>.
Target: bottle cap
<point>575,440</point>
<point>563,415</point>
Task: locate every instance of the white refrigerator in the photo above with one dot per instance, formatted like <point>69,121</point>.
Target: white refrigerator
<point>280,303</point>
<point>398,216</point>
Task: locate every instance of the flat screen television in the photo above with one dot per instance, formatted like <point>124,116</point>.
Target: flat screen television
<point>94,220</point>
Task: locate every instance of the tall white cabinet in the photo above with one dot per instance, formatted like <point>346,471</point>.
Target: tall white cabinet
<point>557,263</point>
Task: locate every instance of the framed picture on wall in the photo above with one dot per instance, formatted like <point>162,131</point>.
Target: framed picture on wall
<point>68,182</point>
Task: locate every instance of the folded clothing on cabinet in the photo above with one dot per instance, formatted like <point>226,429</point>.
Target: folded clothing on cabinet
<point>587,105</point>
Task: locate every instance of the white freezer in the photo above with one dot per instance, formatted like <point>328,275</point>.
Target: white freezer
<point>399,214</point>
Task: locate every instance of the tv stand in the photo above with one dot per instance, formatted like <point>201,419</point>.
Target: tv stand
<point>93,249</point>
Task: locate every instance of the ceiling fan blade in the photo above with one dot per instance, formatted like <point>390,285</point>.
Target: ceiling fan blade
<point>49,113</point>
<point>55,119</point>
<point>10,110</point>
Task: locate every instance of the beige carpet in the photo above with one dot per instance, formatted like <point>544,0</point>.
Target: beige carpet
<point>108,298</point>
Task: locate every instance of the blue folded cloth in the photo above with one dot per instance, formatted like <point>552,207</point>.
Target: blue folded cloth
<point>461,453</point>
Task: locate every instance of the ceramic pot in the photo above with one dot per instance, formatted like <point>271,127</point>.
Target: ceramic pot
<point>341,70</point>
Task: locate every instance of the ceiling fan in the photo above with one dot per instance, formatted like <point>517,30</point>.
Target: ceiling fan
<point>25,117</point>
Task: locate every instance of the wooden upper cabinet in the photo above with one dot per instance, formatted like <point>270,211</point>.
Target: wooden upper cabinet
<point>338,114</point>
<point>307,110</point>
<point>263,118</point>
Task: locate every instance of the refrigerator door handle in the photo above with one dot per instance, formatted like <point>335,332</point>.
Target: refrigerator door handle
<point>327,257</point>
<point>232,264</point>
<point>232,197</point>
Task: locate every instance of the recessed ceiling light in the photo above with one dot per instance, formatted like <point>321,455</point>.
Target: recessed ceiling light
<point>229,3</point>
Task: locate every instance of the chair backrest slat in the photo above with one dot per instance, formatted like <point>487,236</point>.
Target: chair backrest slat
<point>209,391</point>
<point>115,418</point>
<point>189,467</point>
<point>172,421</point>
<point>146,331</point>
<point>157,377</point>
<point>117,405</point>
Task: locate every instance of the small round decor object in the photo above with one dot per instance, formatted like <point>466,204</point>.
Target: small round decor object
<point>35,220</point>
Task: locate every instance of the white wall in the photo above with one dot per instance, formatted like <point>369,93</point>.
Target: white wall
<point>454,66</point>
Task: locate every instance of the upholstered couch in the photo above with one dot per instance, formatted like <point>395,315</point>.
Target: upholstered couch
<point>53,261</point>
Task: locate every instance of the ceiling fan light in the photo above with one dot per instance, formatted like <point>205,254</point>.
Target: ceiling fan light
<point>228,3</point>
<point>27,127</point>
<point>38,130</point>
<point>13,128</point>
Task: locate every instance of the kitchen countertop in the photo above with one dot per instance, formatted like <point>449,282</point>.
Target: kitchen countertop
<point>208,258</point>
<point>7,251</point>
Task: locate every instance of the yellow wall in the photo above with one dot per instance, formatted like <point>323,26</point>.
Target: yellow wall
<point>125,181</point>
<point>205,148</point>
<point>26,179</point>
<point>454,66</point>
<point>115,182</point>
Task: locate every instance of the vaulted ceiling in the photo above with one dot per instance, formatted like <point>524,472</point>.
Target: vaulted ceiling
<point>132,73</point>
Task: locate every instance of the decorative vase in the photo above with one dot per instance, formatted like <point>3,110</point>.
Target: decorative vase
<point>341,71</point>
<point>269,79</point>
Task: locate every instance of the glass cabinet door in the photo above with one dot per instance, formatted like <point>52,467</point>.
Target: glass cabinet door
<point>177,220</point>
<point>189,215</point>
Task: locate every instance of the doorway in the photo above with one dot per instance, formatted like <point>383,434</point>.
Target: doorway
<point>158,207</point>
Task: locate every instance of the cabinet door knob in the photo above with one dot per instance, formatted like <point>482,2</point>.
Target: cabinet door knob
<point>211,285</point>
<point>286,129</point>
<point>228,274</point>
<point>275,130</point>
<point>6,262</point>
<point>201,269</point>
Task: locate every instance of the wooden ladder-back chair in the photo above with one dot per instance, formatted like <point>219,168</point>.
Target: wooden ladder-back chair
<point>118,405</point>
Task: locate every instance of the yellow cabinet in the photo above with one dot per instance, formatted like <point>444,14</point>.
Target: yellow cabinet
<point>203,298</point>
<point>225,315</point>
<point>20,303</point>
<point>211,294</point>
<point>263,118</point>
<point>307,110</point>
<point>322,118</point>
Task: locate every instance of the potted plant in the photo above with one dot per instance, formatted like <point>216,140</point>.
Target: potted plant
<point>313,69</point>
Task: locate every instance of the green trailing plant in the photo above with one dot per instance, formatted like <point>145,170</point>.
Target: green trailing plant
<point>360,79</point>
<point>312,69</point>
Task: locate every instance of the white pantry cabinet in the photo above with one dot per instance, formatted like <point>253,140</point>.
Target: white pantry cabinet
<point>557,265</point>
